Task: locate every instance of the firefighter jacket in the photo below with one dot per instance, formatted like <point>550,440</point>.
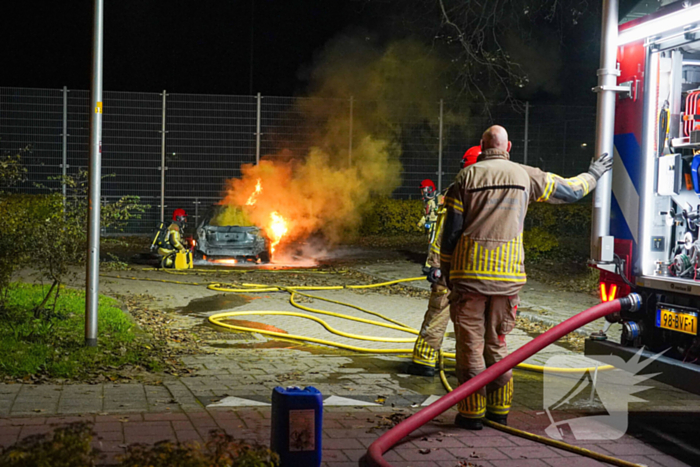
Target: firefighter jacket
<point>430,213</point>
<point>174,238</point>
<point>482,240</point>
<point>434,250</point>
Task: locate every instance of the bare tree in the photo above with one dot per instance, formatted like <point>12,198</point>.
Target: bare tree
<point>482,38</point>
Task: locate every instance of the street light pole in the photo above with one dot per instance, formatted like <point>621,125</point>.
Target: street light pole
<point>95,176</point>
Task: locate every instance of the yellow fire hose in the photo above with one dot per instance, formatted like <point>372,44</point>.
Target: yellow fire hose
<point>396,325</point>
<point>248,288</point>
<point>259,288</point>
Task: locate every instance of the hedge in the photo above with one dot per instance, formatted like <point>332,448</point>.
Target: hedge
<point>545,225</point>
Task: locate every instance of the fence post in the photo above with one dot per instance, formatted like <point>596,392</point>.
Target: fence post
<point>350,132</point>
<point>257,131</point>
<point>162,163</point>
<point>527,130</point>
<point>440,149</point>
<point>196,212</point>
<point>64,144</point>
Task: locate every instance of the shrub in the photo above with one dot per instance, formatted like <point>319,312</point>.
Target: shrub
<point>220,451</point>
<point>68,446</point>
<point>386,216</point>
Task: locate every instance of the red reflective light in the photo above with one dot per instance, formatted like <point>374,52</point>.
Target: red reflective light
<point>608,292</point>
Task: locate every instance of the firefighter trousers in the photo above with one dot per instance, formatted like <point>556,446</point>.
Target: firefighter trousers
<point>481,325</point>
<point>432,331</point>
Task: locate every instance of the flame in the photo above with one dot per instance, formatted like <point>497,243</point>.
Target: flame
<point>277,229</point>
<point>254,195</point>
<point>227,261</point>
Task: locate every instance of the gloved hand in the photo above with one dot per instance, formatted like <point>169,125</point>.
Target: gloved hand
<point>434,275</point>
<point>600,166</point>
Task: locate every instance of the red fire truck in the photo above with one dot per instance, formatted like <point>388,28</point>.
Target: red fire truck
<point>646,214</point>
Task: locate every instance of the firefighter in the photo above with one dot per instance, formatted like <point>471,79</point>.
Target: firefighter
<point>432,331</point>
<point>431,205</point>
<point>481,255</point>
<point>173,238</point>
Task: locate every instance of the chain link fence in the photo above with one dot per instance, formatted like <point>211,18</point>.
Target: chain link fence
<point>179,150</point>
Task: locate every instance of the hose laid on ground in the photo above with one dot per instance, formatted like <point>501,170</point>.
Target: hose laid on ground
<point>294,290</point>
<point>263,288</point>
<point>407,426</point>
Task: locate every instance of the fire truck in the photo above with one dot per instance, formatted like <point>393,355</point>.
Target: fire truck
<point>646,212</point>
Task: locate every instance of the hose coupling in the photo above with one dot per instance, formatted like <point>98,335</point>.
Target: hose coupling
<point>632,302</point>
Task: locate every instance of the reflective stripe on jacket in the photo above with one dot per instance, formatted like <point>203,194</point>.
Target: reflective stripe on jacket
<point>482,244</point>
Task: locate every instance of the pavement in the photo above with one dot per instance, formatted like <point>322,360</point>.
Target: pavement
<point>231,390</point>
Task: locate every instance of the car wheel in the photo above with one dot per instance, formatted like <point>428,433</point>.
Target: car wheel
<point>264,256</point>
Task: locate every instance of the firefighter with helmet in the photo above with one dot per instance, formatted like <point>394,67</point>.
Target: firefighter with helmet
<point>481,257</point>
<point>437,316</point>
<point>173,238</point>
<point>431,203</point>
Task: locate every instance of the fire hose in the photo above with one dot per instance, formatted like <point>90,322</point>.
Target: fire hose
<point>385,442</point>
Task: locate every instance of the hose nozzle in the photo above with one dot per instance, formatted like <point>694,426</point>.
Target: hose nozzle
<point>632,302</point>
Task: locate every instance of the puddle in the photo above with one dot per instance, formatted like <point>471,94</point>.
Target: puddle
<point>252,324</point>
<point>214,303</point>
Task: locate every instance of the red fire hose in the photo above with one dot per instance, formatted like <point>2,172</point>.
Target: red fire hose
<point>374,454</point>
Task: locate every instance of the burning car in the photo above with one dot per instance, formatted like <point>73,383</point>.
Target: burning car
<point>223,236</point>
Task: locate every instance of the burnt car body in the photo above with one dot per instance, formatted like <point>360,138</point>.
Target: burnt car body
<point>244,243</point>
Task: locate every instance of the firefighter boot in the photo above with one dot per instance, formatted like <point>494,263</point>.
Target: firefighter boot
<point>469,423</point>
<point>500,419</point>
<point>417,369</point>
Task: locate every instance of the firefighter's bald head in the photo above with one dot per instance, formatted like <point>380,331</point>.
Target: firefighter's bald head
<point>496,137</point>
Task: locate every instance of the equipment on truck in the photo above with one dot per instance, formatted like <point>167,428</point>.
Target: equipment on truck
<point>646,216</point>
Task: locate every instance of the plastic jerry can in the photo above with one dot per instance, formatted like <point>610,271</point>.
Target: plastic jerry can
<point>297,422</point>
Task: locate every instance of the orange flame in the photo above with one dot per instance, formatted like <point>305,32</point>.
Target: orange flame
<point>277,229</point>
<point>254,195</point>
<point>227,261</point>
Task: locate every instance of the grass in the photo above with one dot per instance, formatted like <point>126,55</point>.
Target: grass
<point>52,345</point>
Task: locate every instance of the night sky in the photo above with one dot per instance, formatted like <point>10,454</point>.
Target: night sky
<point>188,46</point>
<point>183,46</point>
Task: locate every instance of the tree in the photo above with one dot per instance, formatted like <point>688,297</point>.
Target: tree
<point>503,50</point>
<point>12,171</point>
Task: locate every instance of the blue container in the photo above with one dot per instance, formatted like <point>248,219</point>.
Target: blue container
<point>297,425</point>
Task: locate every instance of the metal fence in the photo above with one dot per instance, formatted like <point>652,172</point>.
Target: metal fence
<point>178,150</point>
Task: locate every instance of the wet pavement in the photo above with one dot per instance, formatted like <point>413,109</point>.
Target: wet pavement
<point>232,385</point>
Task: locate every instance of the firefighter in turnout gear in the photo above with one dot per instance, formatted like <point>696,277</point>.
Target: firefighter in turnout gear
<point>173,239</point>
<point>432,331</point>
<point>431,202</point>
<point>482,257</point>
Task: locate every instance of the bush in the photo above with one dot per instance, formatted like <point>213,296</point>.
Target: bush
<point>386,216</point>
<point>220,451</point>
<point>68,446</point>
<point>551,229</point>
<point>24,219</point>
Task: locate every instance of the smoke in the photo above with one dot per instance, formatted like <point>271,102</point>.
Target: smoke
<point>325,189</point>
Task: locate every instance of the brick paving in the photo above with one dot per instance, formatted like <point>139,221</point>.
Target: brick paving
<point>346,435</point>
<point>179,409</point>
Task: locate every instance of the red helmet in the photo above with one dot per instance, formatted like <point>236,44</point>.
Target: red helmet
<point>179,215</point>
<point>427,188</point>
<point>427,183</point>
<point>470,156</point>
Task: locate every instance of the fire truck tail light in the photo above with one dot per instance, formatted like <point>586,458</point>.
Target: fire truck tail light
<point>608,292</point>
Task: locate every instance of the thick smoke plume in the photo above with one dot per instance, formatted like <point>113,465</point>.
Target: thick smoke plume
<point>325,189</point>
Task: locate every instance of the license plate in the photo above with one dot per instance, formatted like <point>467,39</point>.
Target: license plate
<point>675,321</point>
